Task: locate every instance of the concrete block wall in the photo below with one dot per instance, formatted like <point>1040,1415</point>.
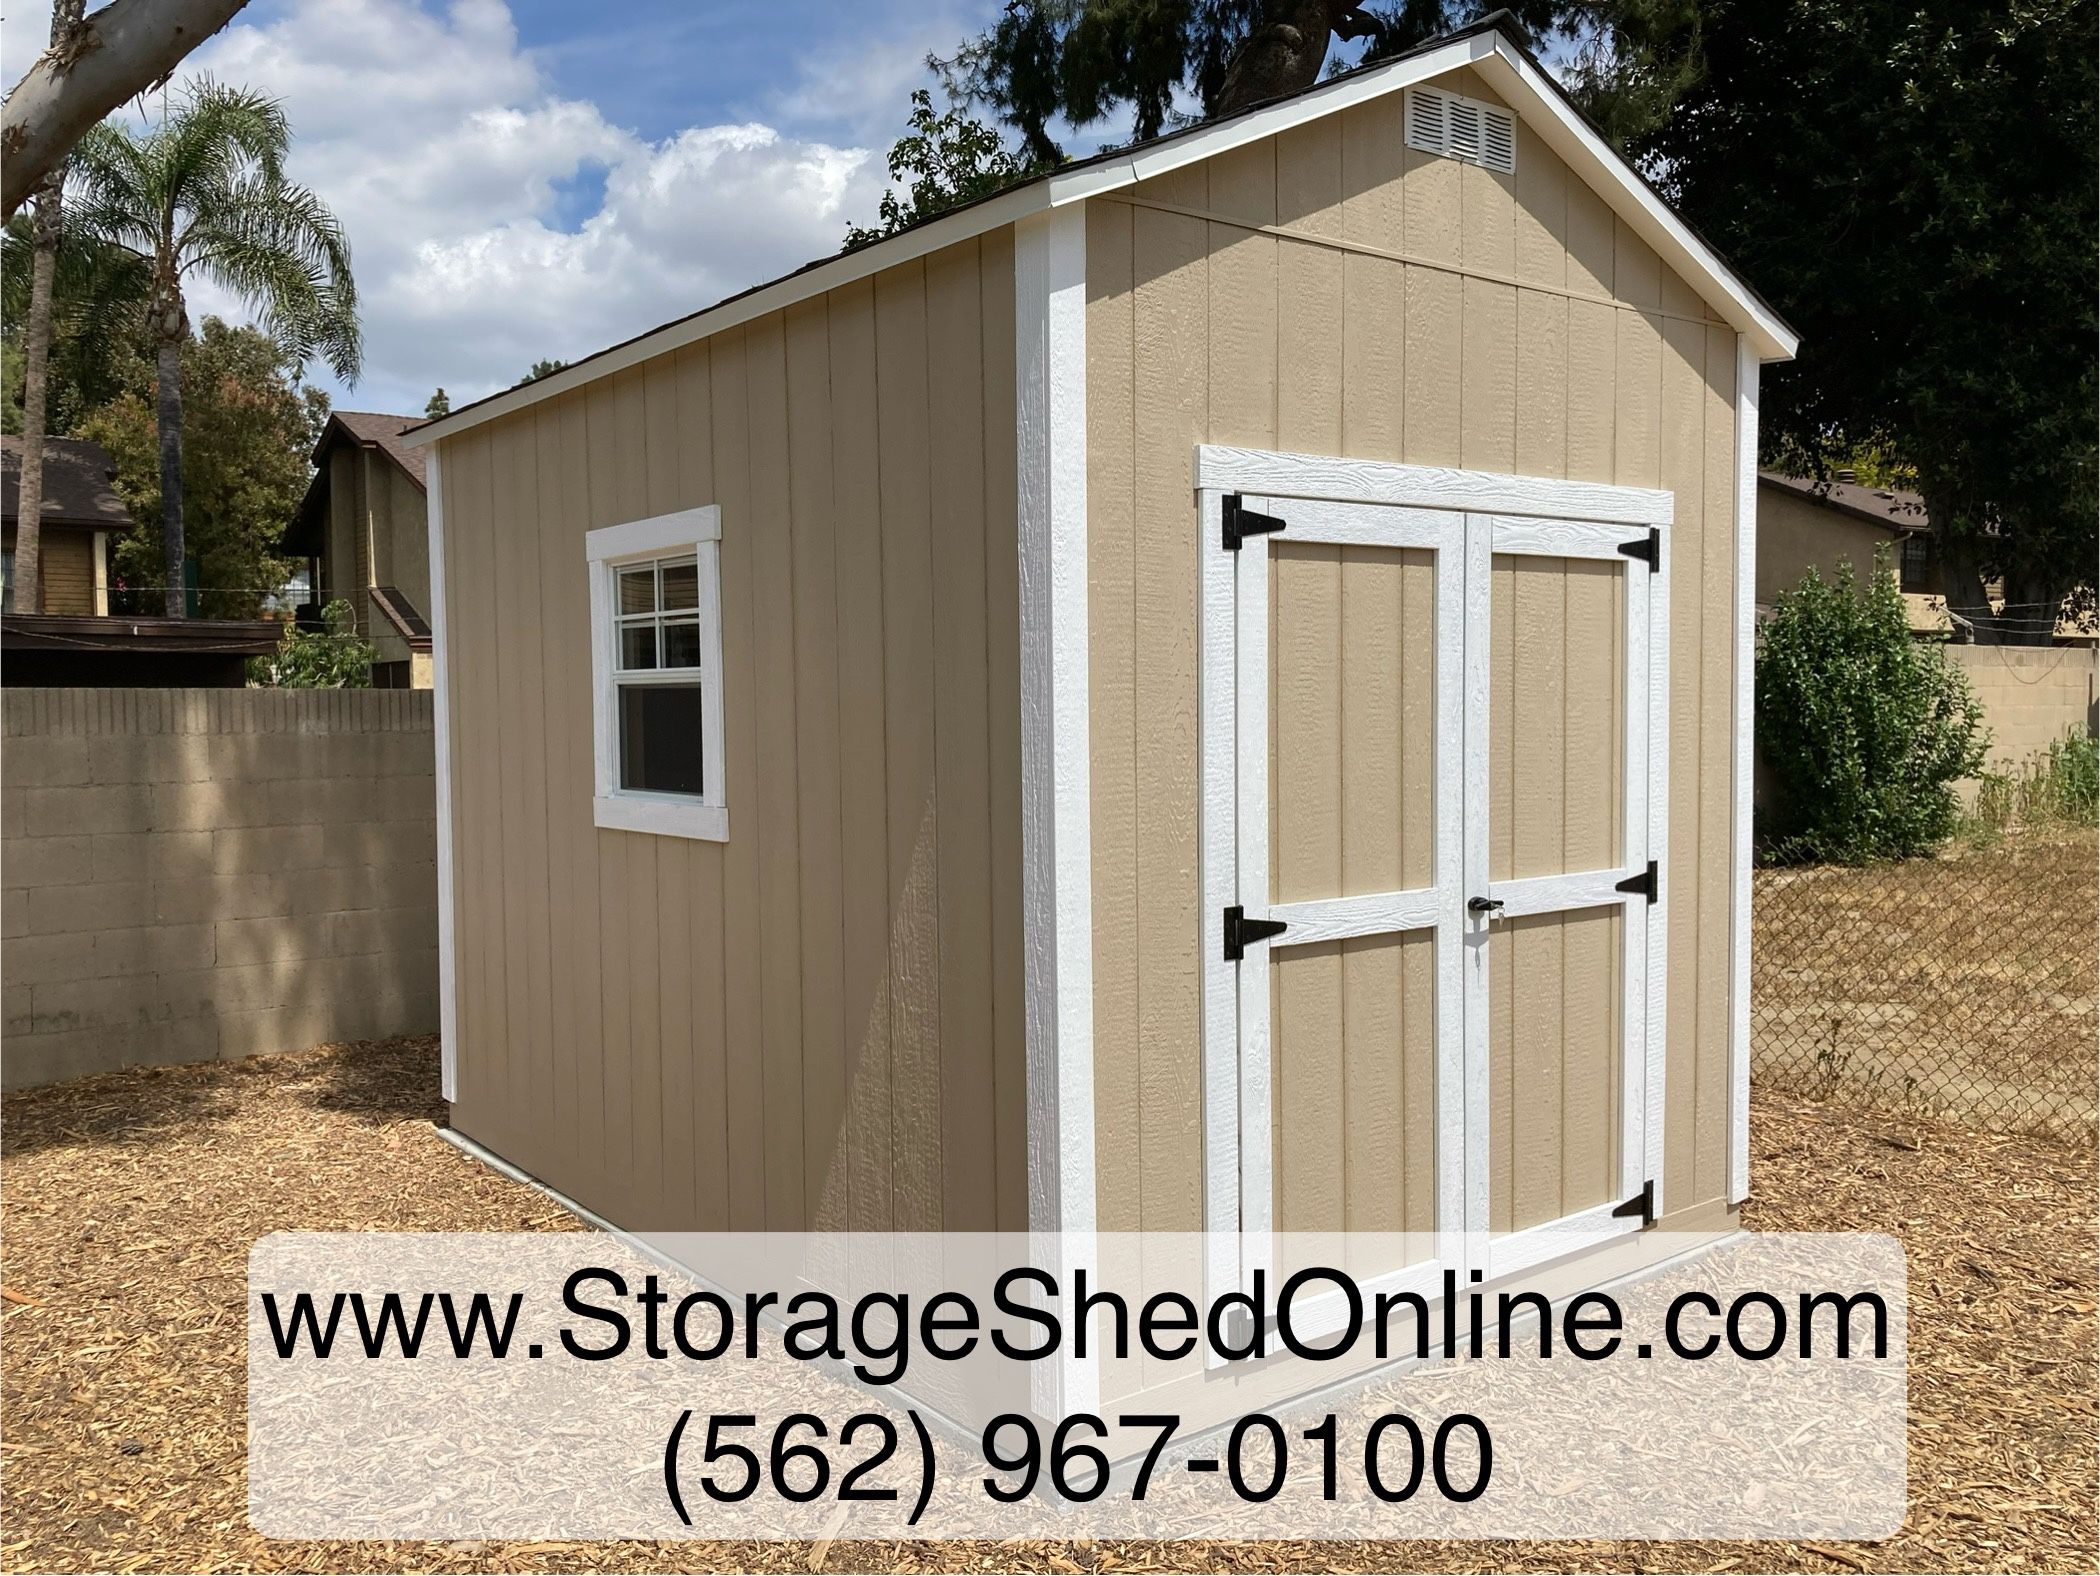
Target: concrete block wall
<point>197,874</point>
<point>2032,695</point>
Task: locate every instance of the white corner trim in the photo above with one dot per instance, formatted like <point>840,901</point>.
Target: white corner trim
<point>1746,377</point>
<point>441,741</point>
<point>1425,487</point>
<point>613,808</point>
<point>1056,759</point>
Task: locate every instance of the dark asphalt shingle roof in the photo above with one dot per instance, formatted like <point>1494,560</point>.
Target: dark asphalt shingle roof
<point>78,489</point>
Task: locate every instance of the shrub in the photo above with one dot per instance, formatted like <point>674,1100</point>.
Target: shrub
<point>1865,729</point>
<point>334,657</point>
<point>2056,786</point>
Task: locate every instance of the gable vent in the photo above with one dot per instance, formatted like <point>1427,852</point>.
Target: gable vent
<point>1462,128</point>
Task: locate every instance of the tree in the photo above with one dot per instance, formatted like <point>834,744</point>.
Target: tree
<point>332,657</point>
<point>1083,60</point>
<point>1911,184</point>
<point>99,62</point>
<point>1865,727</point>
<point>949,159</point>
<point>540,369</point>
<point>439,404</point>
<point>205,192</point>
<point>29,514</point>
<point>98,297</point>
<point>250,426</point>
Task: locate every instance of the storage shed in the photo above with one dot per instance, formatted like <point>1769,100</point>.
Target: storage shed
<point>1210,690</point>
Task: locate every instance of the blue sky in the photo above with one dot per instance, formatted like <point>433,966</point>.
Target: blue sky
<point>544,177</point>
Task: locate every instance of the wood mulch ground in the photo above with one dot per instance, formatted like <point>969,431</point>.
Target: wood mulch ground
<point>129,1203</point>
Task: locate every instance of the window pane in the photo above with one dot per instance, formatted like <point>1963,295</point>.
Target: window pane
<point>638,646</point>
<point>681,585</point>
<point>681,645</point>
<point>638,589</point>
<point>660,738</point>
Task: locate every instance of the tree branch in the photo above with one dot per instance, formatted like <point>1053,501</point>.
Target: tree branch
<point>115,54</point>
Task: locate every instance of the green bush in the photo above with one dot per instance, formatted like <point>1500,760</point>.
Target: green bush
<point>2056,786</point>
<point>335,657</point>
<point>1865,729</point>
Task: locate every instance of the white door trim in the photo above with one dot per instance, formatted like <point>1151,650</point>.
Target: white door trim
<point>441,742</point>
<point>1466,517</point>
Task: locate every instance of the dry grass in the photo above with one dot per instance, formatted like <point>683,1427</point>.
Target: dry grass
<point>1959,986</point>
<point>131,1201</point>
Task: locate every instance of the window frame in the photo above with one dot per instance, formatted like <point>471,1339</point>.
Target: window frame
<point>689,532</point>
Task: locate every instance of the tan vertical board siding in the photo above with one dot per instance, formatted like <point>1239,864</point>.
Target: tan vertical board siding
<point>1487,374</point>
<point>67,568</point>
<point>1352,669</point>
<point>818,1021</point>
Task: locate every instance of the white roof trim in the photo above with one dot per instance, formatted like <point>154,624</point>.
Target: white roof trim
<point>1537,102</point>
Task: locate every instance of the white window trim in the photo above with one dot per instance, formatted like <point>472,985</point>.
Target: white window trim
<point>705,817</point>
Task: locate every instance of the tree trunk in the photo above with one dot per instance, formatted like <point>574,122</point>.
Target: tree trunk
<point>36,332</point>
<point>90,69</point>
<point>1283,53</point>
<point>168,410</point>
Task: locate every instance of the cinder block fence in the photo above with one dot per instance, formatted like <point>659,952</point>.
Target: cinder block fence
<point>199,874</point>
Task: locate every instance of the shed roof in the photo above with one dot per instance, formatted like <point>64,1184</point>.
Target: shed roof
<point>77,485</point>
<point>1494,46</point>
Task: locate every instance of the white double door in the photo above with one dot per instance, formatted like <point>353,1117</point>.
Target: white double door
<point>1433,741</point>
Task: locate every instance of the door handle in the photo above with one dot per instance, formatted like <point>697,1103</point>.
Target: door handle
<point>1484,905</point>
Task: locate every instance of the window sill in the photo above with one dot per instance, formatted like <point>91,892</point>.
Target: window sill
<point>663,815</point>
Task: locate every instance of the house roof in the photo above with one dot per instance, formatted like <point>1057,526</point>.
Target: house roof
<point>77,485</point>
<point>374,430</point>
<point>1898,510</point>
<point>1494,46</point>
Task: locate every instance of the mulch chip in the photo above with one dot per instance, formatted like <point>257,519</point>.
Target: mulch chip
<point>129,1203</point>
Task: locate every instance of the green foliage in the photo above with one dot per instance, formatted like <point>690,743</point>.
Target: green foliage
<point>203,195</point>
<point>540,369</point>
<point>949,160</point>
<point>333,657</point>
<point>249,425</point>
<point>2059,786</point>
<point>1912,185</point>
<point>439,404</point>
<point>1083,61</point>
<point>1865,728</point>
<point>98,294</point>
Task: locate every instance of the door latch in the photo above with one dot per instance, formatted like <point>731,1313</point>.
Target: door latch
<point>1242,932</point>
<point>1483,905</point>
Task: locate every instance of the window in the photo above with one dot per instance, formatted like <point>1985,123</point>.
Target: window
<point>7,581</point>
<point>656,675</point>
<point>1916,550</point>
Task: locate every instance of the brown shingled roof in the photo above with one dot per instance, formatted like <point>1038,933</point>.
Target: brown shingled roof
<point>1889,506</point>
<point>376,430</point>
<point>77,489</point>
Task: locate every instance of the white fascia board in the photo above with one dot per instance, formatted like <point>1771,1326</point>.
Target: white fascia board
<point>1542,108</point>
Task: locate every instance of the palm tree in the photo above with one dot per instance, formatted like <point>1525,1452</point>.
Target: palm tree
<point>205,193</point>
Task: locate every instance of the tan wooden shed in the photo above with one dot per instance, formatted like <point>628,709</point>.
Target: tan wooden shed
<point>1206,691</point>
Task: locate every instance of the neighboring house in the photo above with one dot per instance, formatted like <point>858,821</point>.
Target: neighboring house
<point>1804,524</point>
<point>83,517</point>
<point>73,640</point>
<point>967,736</point>
<point>363,531</point>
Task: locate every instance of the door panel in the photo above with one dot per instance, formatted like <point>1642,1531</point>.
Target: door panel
<point>1427,780</point>
<point>1555,1043</point>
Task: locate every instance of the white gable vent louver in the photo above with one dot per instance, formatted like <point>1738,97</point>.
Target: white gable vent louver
<point>1462,128</point>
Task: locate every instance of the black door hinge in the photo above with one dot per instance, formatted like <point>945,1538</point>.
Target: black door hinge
<point>1641,1204</point>
<point>1650,548</point>
<point>1242,932</point>
<point>1242,522</point>
<point>1644,883</point>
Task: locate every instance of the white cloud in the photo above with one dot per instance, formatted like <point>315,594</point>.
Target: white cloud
<point>456,169</point>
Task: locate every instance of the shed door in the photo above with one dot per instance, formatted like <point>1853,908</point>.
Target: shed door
<point>1432,733</point>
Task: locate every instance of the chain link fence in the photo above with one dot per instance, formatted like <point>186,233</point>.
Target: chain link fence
<point>1960,986</point>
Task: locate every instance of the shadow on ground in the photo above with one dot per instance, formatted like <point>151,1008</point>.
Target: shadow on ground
<point>372,1082</point>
